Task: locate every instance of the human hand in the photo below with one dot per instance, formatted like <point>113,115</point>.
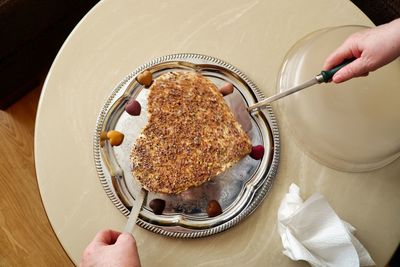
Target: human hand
<point>111,248</point>
<point>372,48</point>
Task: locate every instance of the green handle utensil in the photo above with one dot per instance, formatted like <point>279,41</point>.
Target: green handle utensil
<point>328,74</point>
<point>324,77</point>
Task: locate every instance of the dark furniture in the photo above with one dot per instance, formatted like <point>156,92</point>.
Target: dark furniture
<point>379,11</point>
<point>31,33</point>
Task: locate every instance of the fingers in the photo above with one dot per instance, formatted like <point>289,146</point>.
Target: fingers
<point>347,50</point>
<point>106,237</point>
<point>337,57</point>
<point>357,68</point>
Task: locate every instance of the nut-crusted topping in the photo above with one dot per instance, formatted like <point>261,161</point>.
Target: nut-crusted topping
<point>191,135</point>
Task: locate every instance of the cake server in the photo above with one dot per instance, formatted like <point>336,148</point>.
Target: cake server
<point>241,111</point>
<point>139,195</point>
<point>324,77</point>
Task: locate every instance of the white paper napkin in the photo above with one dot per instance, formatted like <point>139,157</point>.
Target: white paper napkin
<point>313,232</point>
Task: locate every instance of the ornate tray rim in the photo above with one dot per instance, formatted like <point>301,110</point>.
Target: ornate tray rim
<point>262,192</point>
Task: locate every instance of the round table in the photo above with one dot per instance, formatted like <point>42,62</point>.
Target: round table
<point>116,37</point>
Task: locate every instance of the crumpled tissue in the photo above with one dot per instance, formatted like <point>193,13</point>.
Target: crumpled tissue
<point>313,232</point>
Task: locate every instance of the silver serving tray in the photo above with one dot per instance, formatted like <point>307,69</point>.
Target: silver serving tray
<point>239,190</point>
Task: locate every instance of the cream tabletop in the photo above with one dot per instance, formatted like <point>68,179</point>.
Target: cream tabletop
<point>115,38</point>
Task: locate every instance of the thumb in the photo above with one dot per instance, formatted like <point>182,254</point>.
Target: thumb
<point>106,237</point>
<point>356,68</point>
<point>126,239</point>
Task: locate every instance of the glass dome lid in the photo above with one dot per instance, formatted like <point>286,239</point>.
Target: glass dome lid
<point>353,126</point>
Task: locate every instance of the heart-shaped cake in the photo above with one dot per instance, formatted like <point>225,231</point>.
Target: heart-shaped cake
<point>191,135</point>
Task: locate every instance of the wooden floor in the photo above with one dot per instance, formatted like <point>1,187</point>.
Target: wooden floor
<point>26,237</point>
